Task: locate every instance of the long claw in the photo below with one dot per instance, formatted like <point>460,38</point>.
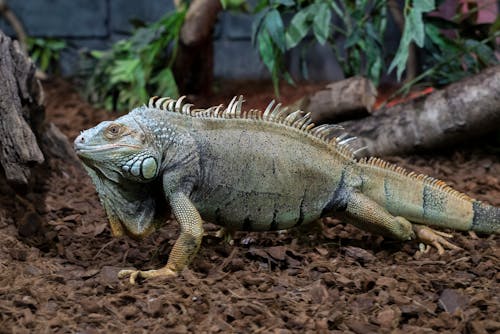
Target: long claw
<point>135,274</point>
<point>226,235</point>
<point>434,238</point>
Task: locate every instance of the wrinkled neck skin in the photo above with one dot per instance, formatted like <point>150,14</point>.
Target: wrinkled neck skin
<point>133,204</point>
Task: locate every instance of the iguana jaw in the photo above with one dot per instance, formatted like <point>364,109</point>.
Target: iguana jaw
<point>84,150</point>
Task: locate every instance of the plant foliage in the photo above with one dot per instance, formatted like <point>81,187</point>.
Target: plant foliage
<point>354,29</point>
<point>282,25</point>
<point>465,49</point>
<point>45,51</point>
<point>135,68</point>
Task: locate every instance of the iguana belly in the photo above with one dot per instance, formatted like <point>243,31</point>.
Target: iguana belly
<point>262,181</point>
<point>253,210</point>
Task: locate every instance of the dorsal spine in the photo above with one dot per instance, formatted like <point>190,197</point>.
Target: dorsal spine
<point>331,134</point>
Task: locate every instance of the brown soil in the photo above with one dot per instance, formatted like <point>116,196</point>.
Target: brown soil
<point>59,262</point>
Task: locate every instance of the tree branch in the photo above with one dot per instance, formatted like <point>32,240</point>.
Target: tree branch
<point>465,109</point>
<point>15,24</point>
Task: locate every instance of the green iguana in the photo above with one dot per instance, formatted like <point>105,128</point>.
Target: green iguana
<point>257,171</point>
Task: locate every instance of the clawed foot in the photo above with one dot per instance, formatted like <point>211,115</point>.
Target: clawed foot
<point>434,238</point>
<point>226,235</point>
<point>134,274</point>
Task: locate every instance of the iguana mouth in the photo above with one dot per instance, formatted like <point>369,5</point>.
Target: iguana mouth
<point>82,148</point>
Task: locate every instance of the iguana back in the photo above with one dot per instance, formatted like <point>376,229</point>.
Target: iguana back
<point>262,178</point>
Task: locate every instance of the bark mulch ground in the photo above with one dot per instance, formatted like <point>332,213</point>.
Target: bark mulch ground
<point>58,261</point>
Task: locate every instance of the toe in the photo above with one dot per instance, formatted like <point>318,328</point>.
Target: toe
<point>125,272</point>
<point>434,238</point>
<point>136,274</point>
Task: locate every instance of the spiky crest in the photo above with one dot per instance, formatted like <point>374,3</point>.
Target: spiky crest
<point>331,134</point>
<point>428,180</point>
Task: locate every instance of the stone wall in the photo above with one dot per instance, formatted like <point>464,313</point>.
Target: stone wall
<point>96,24</point>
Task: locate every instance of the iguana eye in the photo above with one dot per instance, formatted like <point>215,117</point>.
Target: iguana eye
<point>113,131</point>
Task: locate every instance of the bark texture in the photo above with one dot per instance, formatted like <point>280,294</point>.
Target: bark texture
<point>20,107</point>
<point>462,110</point>
<point>342,100</point>
<point>23,131</point>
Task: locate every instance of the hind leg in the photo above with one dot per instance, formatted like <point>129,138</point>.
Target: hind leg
<point>370,216</point>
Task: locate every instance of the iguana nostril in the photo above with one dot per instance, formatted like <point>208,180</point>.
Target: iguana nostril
<point>80,140</point>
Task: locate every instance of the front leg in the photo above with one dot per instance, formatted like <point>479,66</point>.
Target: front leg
<point>186,246</point>
<point>114,222</point>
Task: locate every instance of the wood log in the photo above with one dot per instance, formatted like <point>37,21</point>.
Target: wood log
<point>342,100</point>
<point>20,94</point>
<point>26,140</point>
<point>461,111</point>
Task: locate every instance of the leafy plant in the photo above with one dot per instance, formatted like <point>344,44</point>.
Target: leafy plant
<point>362,26</point>
<point>45,51</point>
<point>138,67</point>
<point>356,37</point>
<point>234,4</point>
<point>449,59</point>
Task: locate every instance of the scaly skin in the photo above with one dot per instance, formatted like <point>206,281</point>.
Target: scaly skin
<point>254,171</point>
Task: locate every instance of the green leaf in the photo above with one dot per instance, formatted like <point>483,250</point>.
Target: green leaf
<point>123,70</point>
<point>399,61</point>
<point>337,9</point>
<point>353,38</point>
<point>57,45</point>
<point>232,4</point>
<point>483,52</point>
<point>261,5</point>
<point>256,25</point>
<point>423,6</point>
<point>274,26</point>
<point>35,55</point>
<point>373,60</point>
<point>166,84</point>
<point>371,33</point>
<point>266,51</point>
<point>144,36</point>
<point>414,31</point>
<point>96,54</point>
<point>322,23</point>
<point>435,35</point>
<point>45,60</point>
<point>288,78</point>
<point>415,27</point>
<point>287,3</point>
<point>297,29</point>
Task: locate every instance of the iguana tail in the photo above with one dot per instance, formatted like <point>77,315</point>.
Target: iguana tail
<point>423,199</point>
<point>486,218</point>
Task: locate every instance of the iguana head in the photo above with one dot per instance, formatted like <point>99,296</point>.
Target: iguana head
<point>119,149</point>
<point>122,161</point>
